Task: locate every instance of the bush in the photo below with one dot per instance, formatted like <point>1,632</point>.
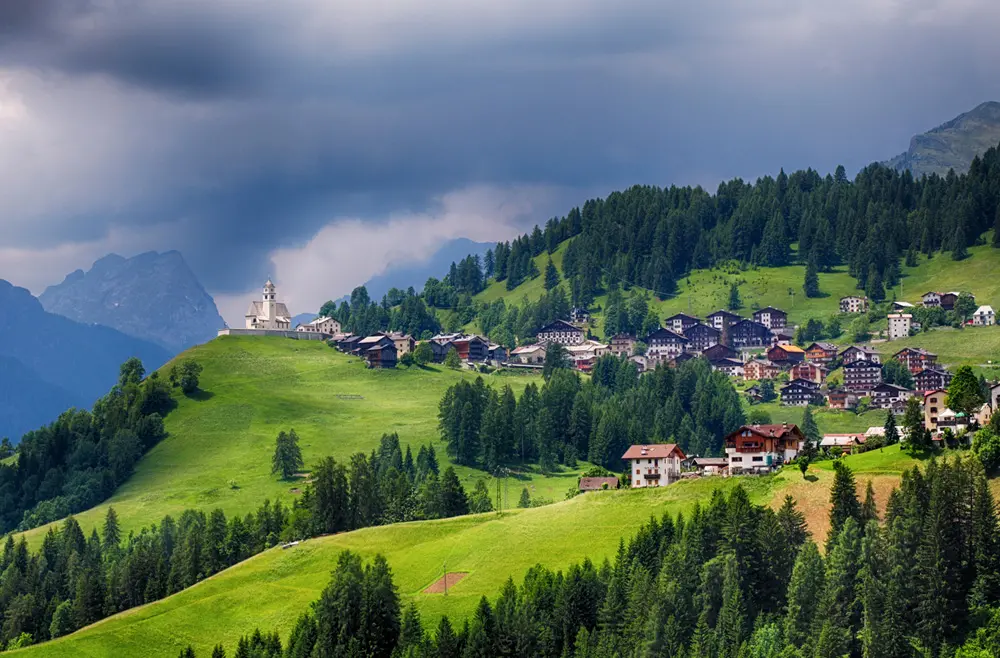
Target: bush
<point>986,445</point>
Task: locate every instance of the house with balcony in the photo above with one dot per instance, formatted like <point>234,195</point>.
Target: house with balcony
<point>915,359</point>
<point>800,393</point>
<point>862,376</point>
<point>722,319</point>
<point>622,344</point>
<point>748,334</point>
<point>561,332</point>
<point>821,353</point>
<point>932,379</point>
<point>890,396</point>
<point>664,344</point>
<point>654,465</point>
<point>701,337</point>
<point>860,353</point>
<point>854,304</point>
<point>680,322</point>
<point>808,371</point>
<point>785,356</point>
<point>770,317</point>
<point>762,448</point>
<point>757,370</point>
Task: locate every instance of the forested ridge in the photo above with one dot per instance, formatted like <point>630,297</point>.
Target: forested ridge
<point>729,580</point>
<point>596,418</point>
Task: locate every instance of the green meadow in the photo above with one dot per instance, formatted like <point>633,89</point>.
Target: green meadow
<point>220,443</point>
<point>271,589</point>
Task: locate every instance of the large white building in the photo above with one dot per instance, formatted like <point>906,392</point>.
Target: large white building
<point>899,325</point>
<point>322,325</point>
<point>268,313</point>
<point>654,465</point>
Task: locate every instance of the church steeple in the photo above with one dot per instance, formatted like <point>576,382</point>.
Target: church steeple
<point>269,292</point>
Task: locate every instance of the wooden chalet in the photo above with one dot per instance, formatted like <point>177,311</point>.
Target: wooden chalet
<point>931,379</point>
<point>762,448</point>
<point>785,355</point>
<point>862,376</point>
<point>471,348</point>
<point>747,334</point>
<point>860,353</point>
<point>382,354</point>
<point>916,359</point>
<point>719,351</point>
<point>680,322</point>
<point>808,371</point>
<point>722,319</point>
<point>664,344</point>
<point>841,399</point>
<point>622,344</point>
<point>758,370</point>
<point>654,465</point>
<point>800,393</point>
<point>770,317</point>
<point>821,353</point>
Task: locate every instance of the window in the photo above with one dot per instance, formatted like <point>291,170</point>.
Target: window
<point>758,459</point>
<point>737,459</point>
<point>638,471</point>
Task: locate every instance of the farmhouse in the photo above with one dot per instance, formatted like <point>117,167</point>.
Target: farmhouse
<point>846,442</point>
<point>680,322</point>
<point>948,300</point>
<point>663,344</point>
<point>379,351</point>
<point>268,313</point>
<point>747,334</point>
<point>349,345</point>
<point>758,370</point>
<point>931,379</point>
<point>654,465</point>
<point>496,352</point>
<point>899,325</point>
<point>809,371</point>
<point>862,376</point>
<point>762,448</point>
<point>471,348</point>
<point>770,317</point>
<point>785,355</point>
<point>528,355</point>
<point>404,343</point>
<point>681,358</point>
<point>440,346</point>
<point>711,465</point>
<point>915,358</point>
<point>722,319</point>
<point>984,317</point>
<point>853,304</point>
<point>783,336</point>
<point>821,352</point>
<point>890,396</point>
<point>800,393</point>
<point>930,299</point>
<point>323,325</point>
<point>863,353</point>
<point>561,332</point>
<point>701,337</point>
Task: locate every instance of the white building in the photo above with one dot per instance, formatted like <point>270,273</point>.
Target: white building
<point>561,332</point>
<point>654,465</point>
<point>984,316</point>
<point>853,304</point>
<point>899,325</point>
<point>268,313</point>
<point>327,326</point>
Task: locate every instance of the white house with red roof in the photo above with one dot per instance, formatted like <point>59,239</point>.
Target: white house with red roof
<point>762,448</point>
<point>654,465</point>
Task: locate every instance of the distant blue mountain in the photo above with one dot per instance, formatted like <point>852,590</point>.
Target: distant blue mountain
<point>49,362</point>
<point>416,274</point>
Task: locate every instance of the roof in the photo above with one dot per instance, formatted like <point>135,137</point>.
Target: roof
<point>723,311</point>
<point>984,309</point>
<point>842,439</point>
<point>801,383</point>
<point>937,390</point>
<point>732,363</point>
<point>899,315</point>
<point>623,337</point>
<point>769,431</point>
<point>654,451</point>
<point>700,326</point>
<point>525,349</point>
<point>853,297</point>
<point>904,304</point>
<point>711,461</point>
<point>823,346</point>
<point>682,316</point>
<point>374,338</point>
<point>895,387</point>
<point>769,309</point>
<point>560,325</point>
<point>663,332</point>
<point>918,350</point>
<point>861,363</point>
<point>794,349</point>
<point>317,322</point>
<point>596,484</point>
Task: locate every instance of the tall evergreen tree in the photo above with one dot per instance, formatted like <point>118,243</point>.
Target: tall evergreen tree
<point>551,276</point>
<point>844,503</point>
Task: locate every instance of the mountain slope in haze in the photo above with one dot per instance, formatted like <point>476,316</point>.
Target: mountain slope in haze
<point>153,296</point>
<point>51,362</point>
<point>416,274</point>
<point>952,145</point>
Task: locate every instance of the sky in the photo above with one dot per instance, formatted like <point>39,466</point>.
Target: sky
<point>320,141</point>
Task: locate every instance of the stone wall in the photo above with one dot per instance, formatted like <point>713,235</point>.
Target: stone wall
<point>281,333</point>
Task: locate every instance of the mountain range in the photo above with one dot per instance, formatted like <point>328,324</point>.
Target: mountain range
<point>153,296</point>
<point>49,363</point>
<point>952,145</point>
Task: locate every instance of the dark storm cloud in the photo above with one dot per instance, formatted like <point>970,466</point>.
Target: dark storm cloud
<point>234,128</point>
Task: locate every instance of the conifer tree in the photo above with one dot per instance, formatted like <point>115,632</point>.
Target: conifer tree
<point>735,303</point>
<point>805,592</point>
<point>841,609</point>
<point>869,511</point>
<point>809,428</point>
<point>844,503</point>
<point>811,284</point>
<point>731,628</point>
<point>551,276</point>
<point>891,433</point>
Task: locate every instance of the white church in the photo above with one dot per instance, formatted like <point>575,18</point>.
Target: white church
<point>268,313</point>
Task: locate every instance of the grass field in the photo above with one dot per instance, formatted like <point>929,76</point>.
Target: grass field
<point>271,589</point>
<point>218,452</point>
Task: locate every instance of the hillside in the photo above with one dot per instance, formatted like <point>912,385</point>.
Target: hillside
<point>953,144</point>
<point>271,589</point>
<point>218,451</point>
<point>705,291</point>
<point>58,361</point>
<point>152,296</point>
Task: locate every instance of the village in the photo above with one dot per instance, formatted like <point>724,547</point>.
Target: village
<point>757,351</point>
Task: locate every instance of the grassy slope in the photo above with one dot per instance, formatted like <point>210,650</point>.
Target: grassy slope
<point>271,589</point>
<point>256,387</point>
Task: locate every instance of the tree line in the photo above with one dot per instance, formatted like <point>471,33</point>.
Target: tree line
<point>569,418</point>
<point>74,580</point>
<point>729,580</point>
<point>79,459</point>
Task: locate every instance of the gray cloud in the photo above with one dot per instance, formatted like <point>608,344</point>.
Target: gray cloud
<point>233,130</point>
